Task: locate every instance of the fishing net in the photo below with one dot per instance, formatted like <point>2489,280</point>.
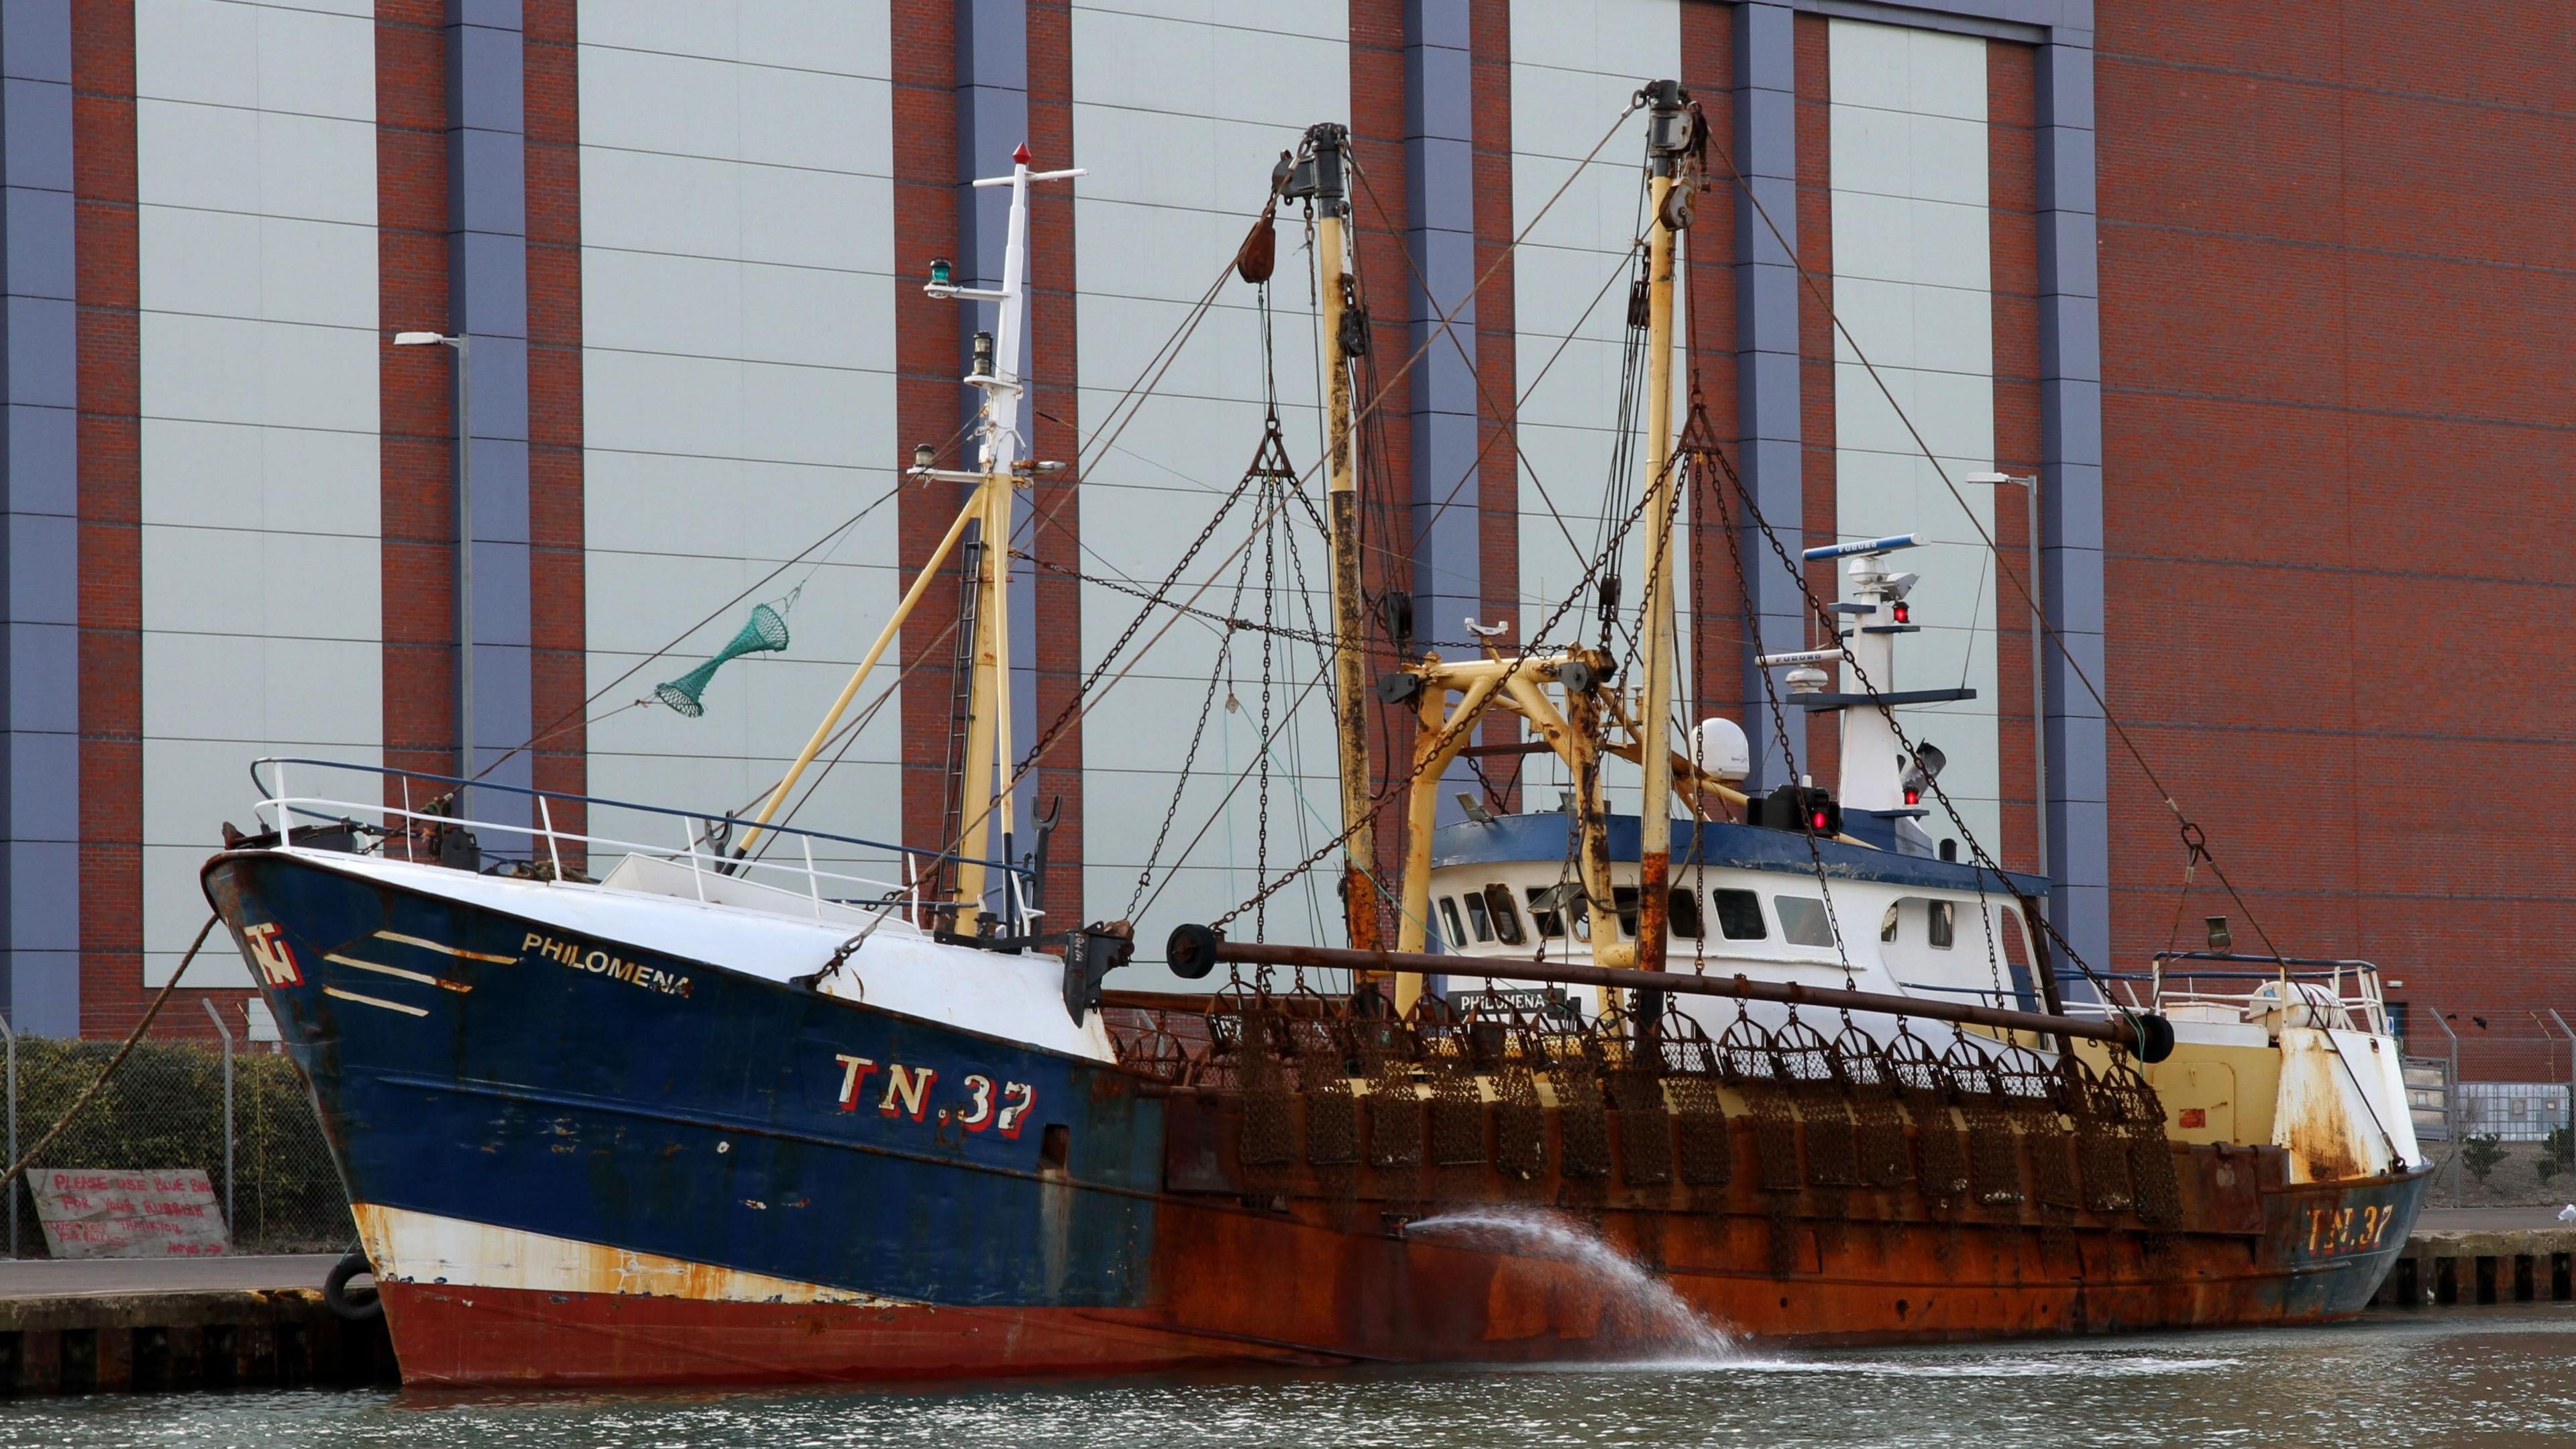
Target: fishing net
<point>1707,1148</point>
<point>764,633</point>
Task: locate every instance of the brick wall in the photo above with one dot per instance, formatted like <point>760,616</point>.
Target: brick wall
<point>2012,199</point>
<point>111,482</point>
<point>1713,598</point>
<point>1055,499</point>
<point>1817,439</point>
<point>2336,312</point>
<point>417,388</point>
<point>926,389</point>
<point>558,615</point>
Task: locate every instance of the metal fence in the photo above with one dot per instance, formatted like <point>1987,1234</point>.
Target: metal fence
<point>242,1116</point>
<point>2512,1111</point>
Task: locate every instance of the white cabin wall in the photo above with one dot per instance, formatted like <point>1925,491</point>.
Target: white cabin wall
<point>1913,284</point>
<point>1574,66</point>
<point>1179,115</point>
<point>738,375</point>
<point>255,182</point>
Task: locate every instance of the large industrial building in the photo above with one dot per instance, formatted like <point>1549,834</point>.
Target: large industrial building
<point>2271,301</point>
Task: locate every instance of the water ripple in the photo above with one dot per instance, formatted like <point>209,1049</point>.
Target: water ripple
<point>2493,1379</point>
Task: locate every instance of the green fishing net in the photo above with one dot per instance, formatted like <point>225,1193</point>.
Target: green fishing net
<point>766,633</point>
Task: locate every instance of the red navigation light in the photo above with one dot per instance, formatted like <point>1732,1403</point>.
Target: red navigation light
<point>1913,796</point>
<point>1818,821</point>
<point>1904,612</point>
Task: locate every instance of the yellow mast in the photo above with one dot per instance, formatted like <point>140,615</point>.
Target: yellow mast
<point>1667,138</point>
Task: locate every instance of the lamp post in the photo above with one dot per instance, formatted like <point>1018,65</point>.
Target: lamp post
<point>2038,661</point>
<point>464,551</point>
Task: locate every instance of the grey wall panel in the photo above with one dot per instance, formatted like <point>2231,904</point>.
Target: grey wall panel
<point>1913,279</point>
<point>738,394</point>
<point>1179,118</point>
<point>1573,69</point>
<point>255,147</point>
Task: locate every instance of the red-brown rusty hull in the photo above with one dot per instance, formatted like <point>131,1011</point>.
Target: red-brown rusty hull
<point>1244,1288</point>
<point>1850,1280</point>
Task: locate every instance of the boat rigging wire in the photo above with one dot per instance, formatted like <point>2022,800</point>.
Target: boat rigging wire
<point>1424,756</point>
<point>1083,697</point>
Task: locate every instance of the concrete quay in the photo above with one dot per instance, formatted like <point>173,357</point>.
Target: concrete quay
<point>2461,1257</point>
<point>110,1325</point>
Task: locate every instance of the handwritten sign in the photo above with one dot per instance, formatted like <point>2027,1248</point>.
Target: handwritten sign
<point>96,1213</point>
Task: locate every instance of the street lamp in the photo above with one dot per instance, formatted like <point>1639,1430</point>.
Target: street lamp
<point>2038,660</point>
<point>464,552</point>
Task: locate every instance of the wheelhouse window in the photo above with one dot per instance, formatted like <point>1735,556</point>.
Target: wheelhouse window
<point>1547,909</point>
<point>1507,917</point>
<point>1739,915</point>
<point>1887,925</point>
<point>1685,915</point>
<point>1804,921</point>
<point>1943,924</point>
<point>1623,899</point>
<point>1477,921</point>
<point>1449,918</point>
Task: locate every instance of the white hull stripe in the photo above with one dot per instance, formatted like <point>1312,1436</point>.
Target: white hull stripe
<point>417,1247</point>
<point>374,1001</point>
<point>446,950</point>
<point>382,970</point>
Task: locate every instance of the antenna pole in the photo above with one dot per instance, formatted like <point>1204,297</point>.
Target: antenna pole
<point>1668,191</point>
<point>1344,326</point>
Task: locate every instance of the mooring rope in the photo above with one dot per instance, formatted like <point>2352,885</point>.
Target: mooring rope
<point>18,1168</point>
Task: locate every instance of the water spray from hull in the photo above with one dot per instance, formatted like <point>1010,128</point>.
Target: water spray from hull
<point>1641,1307</point>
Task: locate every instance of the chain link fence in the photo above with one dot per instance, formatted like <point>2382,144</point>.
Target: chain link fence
<point>241,1116</point>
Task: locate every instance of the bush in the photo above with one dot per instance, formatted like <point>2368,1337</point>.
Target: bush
<point>2480,1153</point>
<point>2556,1155</point>
<point>164,1109</point>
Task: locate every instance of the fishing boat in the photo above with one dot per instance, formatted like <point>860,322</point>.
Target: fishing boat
<point>699,1109</point>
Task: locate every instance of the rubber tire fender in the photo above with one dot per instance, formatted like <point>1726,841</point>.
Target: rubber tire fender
<point>361,1308</point>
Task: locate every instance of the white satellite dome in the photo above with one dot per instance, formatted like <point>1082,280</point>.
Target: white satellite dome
<point>1718,746</point>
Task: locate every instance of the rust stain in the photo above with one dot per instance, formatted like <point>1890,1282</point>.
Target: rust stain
<point>411,1247</point>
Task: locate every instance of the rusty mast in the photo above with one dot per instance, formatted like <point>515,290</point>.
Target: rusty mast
<point>1321,177</point>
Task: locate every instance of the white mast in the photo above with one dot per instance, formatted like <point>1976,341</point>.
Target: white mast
<point>1002,467</point>
<point>1003,453</point>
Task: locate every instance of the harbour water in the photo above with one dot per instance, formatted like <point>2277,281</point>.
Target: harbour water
<point>2492,1377</point>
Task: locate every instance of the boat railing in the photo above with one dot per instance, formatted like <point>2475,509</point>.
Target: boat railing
<point>2188,986</point>
<point>419,805</point>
